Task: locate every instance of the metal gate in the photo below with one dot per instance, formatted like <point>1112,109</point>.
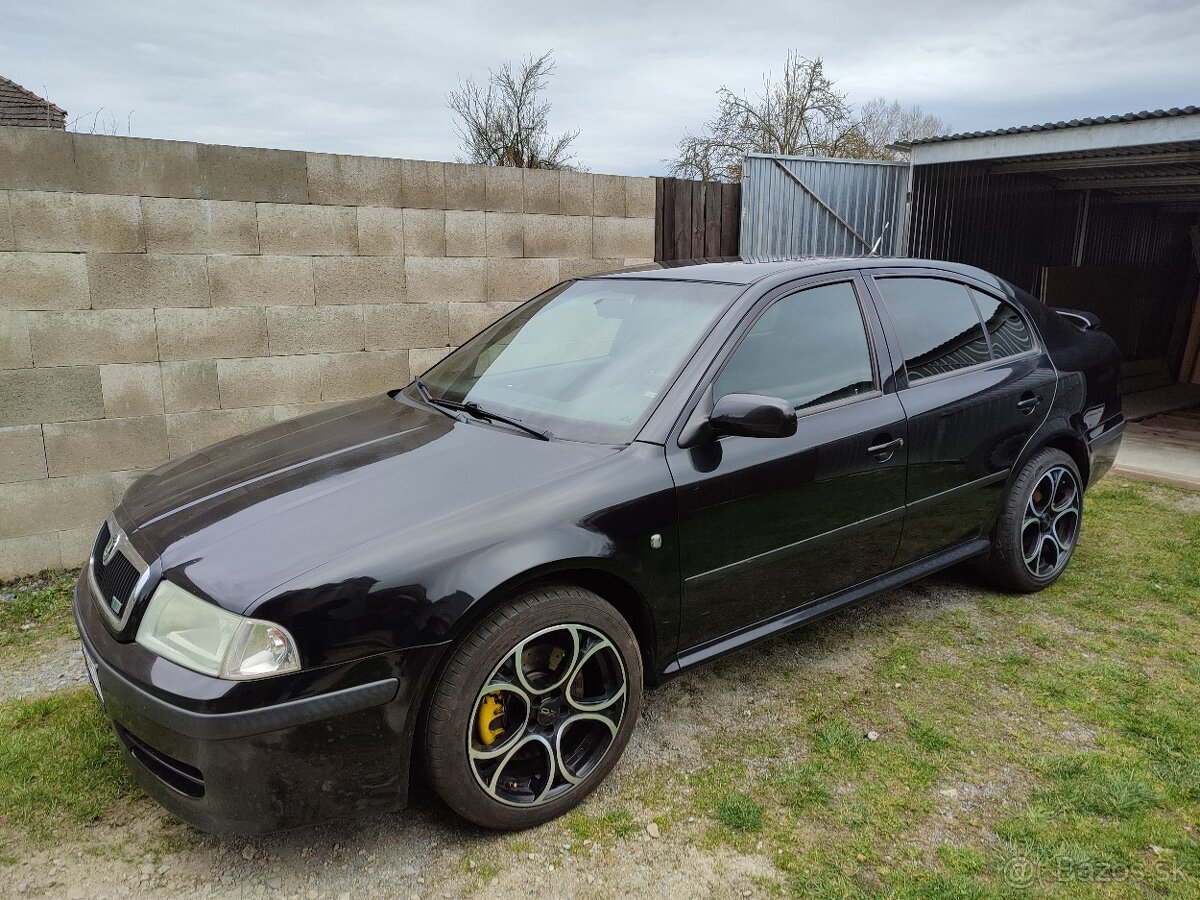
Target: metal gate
<point>812,206</point>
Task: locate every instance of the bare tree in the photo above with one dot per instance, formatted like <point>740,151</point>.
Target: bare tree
<point>505,122</point>
<point>102,122</point>
<point>801,114</point>
<point>882,124</point>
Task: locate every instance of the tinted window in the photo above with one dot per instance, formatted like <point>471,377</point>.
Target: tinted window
<point>936,324</point>
<point>808,348</point>
<point>1009,333</point>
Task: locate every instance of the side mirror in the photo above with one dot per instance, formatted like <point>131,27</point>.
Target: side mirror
<point>752,415</point>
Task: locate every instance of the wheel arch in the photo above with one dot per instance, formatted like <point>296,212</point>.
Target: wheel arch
<point>1072,445</point>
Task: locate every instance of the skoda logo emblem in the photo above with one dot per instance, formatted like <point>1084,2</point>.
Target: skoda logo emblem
<point>109,549</point>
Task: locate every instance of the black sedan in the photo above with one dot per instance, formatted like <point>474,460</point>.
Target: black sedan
<point>625,477</point>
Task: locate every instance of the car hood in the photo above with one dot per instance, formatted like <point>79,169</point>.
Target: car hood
<point>243,516</point>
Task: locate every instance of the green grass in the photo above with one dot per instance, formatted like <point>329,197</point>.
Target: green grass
<point>59,764</point>
<point>36,607</point>
<point>740,813</point>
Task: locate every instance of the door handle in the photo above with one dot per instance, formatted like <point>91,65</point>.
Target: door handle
<point>886,448</point>
<point>1028,403</point>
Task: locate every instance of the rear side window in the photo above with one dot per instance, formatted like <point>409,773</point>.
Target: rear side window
<point>936,323</point>
<point>808,348</point>
<point>1008,331</point>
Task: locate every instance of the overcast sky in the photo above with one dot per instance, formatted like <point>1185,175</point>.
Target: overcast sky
<point>371,78</point>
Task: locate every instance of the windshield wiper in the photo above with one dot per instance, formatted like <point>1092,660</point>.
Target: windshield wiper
<point>472,408</point>
<point>442,406</point>
<point>479,412</point>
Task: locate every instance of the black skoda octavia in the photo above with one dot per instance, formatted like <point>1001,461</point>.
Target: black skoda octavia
<point>625,477</point>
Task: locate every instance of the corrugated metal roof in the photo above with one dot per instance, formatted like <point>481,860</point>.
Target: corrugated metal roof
<point>1073,123</point>
<point>21,106</point>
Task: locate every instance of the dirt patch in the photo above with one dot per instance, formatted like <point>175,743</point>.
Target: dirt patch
<point>49,665</point>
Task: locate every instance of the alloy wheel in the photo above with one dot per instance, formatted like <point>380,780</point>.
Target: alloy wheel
<point>547,715</point>
<point>1051,522</point>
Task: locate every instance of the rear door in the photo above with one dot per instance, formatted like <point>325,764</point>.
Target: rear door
<point>975,386</point>
<point>770,524</point>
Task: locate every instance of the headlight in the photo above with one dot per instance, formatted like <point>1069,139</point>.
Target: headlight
<point>201,636</point>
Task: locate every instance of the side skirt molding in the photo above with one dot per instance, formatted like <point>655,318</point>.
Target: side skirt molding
<point>834,602</point>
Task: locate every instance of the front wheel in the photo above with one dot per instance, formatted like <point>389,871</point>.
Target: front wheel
<point>534,708</point>
<point>1037,530</point>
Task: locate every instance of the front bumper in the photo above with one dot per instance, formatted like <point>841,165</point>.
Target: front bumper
<point>224,758</point>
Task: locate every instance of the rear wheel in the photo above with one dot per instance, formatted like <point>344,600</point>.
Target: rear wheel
<point>534,708</point>
<point>1037,530</point>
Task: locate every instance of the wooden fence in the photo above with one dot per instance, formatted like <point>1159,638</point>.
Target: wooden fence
<point>696,219</point>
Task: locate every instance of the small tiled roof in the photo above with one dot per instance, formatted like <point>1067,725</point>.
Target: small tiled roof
<point>1074,123</point>
<point>19,106</point>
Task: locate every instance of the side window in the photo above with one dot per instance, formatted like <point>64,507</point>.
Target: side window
<point>1008,331</point>
<point>808,348</point>
<point>936,324</point>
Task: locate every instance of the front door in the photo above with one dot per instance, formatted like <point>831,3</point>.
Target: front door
<point>771,524</point>
<point>978,386</point>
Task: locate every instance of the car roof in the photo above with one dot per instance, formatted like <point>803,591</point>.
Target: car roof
<point>748,271</point>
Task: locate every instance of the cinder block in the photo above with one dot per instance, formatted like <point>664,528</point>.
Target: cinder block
<point>359,279</point>
<point>314,329</point>
<point>132,390</point>
<point>465,234</point>
<point>15,352</point>
<point>547,236</point>
<point>623,238</point>
<point>575,193</point>
<point>60,394</point>
<point>190,431</point>
<point>106,164</point>
<point>347,376</point>
<point>516,280</point>
<point>505,189</point>
<point>7,241</point>
<point>89,336</point>
<point>29,554</point>
<point>424,184</point>
<point>424,232</point>
<point>253,173</point>
<point>505,234</point>
<point>265,382</point>
<point>633,262</point>
<point>608,195</point>
<point>261,280</point>
<point>199,226</point>
<point>293,230</point>
<point>468,319</point>
<point>442,280</point>
<point>123,280</point>
<point>403,325</point>
<point>84,448</point>
<point>339,180</point>
<point>37,159</point>
<point>22,453</point>
<point>422,360</point>
<point>285,411</point>
<point>211,333</point>
<point>581,268</point>
<point>541,191</point>
<point>43,281</point>
<point>75,545</point>
<point>465,186</point>
<point>74,222</point>
<point>639,198</point>
<point>190,386</point>
<point>53,504</point>
<point>119,483</point>
<point>380,231</point>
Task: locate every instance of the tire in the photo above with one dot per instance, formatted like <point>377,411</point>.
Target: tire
<point>563,721</point>
<point>1029,524</point>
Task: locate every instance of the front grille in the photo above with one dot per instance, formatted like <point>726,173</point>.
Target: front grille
<point>116,579</point>
<point>175,774</point>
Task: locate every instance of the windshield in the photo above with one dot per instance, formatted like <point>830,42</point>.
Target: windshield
<point>586,360</point>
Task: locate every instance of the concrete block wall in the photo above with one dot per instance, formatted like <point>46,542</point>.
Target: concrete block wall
<point>158,296</point>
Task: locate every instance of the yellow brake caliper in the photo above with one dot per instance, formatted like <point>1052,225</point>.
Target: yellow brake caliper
<point>491,711</point>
